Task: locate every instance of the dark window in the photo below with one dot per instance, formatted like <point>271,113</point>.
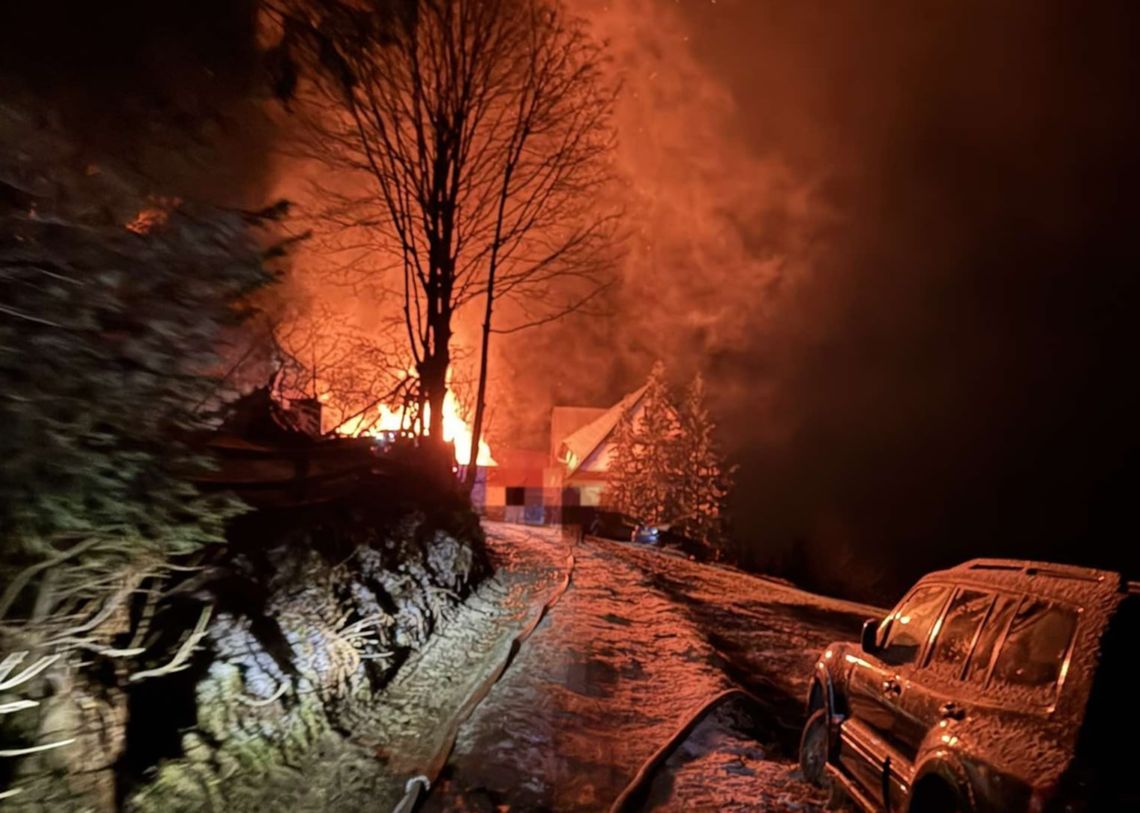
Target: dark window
<point>910,624</point>
<point>516,495</point>
<point>1036,645</point>
<point>959,629</point>
<point>992,629</point>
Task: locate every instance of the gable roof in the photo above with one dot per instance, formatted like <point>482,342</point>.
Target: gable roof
<point>578,447</point>
<point>566,420</point>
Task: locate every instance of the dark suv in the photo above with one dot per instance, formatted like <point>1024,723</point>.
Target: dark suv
<point>994,686</point>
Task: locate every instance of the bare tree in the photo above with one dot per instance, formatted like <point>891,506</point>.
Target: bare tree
<point>349,370</point>
<point>484,128</point>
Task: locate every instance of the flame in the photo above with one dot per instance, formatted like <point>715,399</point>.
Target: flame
<point>153,215</point>
<point>455,428</point>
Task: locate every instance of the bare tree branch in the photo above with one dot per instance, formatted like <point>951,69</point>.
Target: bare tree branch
<point>482,128</point>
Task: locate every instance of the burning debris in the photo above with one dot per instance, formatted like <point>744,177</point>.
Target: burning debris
<point>389,424</point>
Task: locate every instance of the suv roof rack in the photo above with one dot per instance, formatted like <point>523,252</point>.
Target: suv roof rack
<point>1049,569</point>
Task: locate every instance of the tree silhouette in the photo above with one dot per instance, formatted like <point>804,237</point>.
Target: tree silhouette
<point>482,129</point>
<point>705,479</point>
<point>644,469</point>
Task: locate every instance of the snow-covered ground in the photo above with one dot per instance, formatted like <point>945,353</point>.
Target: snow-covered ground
<point>364,764</point>
<point>640,641</point>
<point>637,643</point>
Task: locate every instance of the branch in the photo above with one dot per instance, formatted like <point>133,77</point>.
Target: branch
<point>17,705</point>
<point>20,582</point>
<point>14,660</point>
<point>185,651</point>
<point>284,687</point>
<point>19,752</point>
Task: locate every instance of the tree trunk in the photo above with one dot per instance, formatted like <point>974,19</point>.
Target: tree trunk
<point>492,270</point>
<point>432,371</point>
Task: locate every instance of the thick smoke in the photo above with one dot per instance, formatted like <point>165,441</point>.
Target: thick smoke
<point>713,229</point>
<point>897,236</point>
<point>900,238</point>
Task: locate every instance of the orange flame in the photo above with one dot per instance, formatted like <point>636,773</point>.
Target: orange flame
<point>455,428</point>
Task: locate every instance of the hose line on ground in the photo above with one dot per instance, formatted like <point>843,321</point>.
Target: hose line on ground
<point>417,788</point>
<point>635,792</point>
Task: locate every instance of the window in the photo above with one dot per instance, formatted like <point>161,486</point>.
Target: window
<point>1036,645</point>
<point>959,629</point>
<point>910,624</point>
<point>991,633</point>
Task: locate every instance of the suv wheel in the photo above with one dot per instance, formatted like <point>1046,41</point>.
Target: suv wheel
<point>815,748</point>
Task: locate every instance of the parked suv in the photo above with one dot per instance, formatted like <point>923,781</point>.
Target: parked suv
<point>994,686</point>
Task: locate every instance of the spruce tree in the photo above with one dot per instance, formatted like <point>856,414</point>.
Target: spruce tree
<point>624,468</point>
<point>659,433</point>
<point>112,303</point>
<point>705,480</point>
<point>645,465</point>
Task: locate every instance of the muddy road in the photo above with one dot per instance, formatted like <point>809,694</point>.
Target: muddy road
<point>639,641</point>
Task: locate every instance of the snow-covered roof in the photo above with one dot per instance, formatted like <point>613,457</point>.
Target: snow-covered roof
<point>578,447</point>
<point>566,420</point>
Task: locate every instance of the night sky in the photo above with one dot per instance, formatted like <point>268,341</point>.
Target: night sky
<point>955,374</point>
<point>170,89</point>
<point>899,238</point>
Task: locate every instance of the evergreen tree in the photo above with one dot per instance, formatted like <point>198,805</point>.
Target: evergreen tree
<point>624,468</point>
<point>659,433</point>
<point>645,465</point>
<point>666,466</point>
<point>112,303</point>
<point>705,480</point>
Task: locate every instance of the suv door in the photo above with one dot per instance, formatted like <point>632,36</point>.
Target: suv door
<point>877,681</point>
<point>932,693</point>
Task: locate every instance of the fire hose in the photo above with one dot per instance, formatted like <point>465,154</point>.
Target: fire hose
<point>635,791</point>
<point>638,788</point>
<point>417,788</point>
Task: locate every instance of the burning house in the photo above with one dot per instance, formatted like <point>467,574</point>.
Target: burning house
<point>556,485</point>
<point>585,451</point>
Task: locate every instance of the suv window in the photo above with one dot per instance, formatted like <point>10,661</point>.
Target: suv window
<point>991,633</point>
<point>1036,645</point>
<point>959,630</point>
<point>910,624</point>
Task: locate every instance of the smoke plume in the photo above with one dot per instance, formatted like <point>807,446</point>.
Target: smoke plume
<point>897,236</point>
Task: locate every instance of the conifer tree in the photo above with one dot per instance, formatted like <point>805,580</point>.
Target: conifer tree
<point>112,304</point>
<point>705,480</point>
<point>624,468</point>
<point>644,469</point>
<point>659,433</point>
<point>666,466</point>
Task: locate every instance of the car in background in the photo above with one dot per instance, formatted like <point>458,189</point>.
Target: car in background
<point>609,525</point>
<point>647,535</point>
<point>994,686</point>
<point>663,535</point>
